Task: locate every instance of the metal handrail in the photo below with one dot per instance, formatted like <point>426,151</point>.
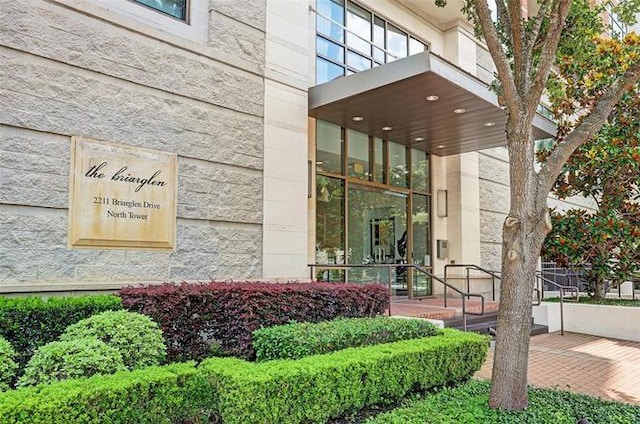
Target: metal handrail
<point>561,288</point>
<point>493,274</point>
<point>419,268</point>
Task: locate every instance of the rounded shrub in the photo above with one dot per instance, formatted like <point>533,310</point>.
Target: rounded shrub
<point>71,359</point>
<point>8,366</point>
<point>137,338</point>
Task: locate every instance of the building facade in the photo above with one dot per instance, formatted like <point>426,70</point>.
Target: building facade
<point>322,132</point>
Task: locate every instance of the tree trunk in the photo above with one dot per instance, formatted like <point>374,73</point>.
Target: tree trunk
<point>599,291</point>
<point>511,355</point>
<point>522,235</point>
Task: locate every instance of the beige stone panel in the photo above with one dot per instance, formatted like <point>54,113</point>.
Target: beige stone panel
<point>249,12</point>
<point>491,226</point>
<point>51,97</point>
<point>121,197</point>
<point>494,197</point>
<point>493,169</point>
<point>234,37</point>
<point>439,231</point>
<point>84,42</point>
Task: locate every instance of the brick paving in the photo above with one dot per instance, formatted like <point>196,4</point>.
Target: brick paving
<point>433,308</point>
<point>606,368</point>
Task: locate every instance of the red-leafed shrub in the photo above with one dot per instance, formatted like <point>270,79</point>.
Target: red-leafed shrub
<point>199,318</point>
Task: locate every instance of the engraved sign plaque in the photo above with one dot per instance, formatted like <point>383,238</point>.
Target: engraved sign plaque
<point>121,197</point>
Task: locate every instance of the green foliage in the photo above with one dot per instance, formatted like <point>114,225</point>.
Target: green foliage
<point>315,388</point>
<point>293,341</point>
<point>135,336</point>
<point>70,359</point>
<point>605,302</point>
<point>468,403</point>
<point>176,393</point>
<point>232,390</point>
<point>30,322</point>
<point>7,365</point>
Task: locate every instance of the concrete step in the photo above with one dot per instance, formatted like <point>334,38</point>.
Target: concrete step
<point>482,324</point>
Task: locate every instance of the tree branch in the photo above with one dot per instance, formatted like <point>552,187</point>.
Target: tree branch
<point>497,53</point>
<point>586,130</point>
<point>537,25</point>
<point>559,12</point>
<point>520,60</point>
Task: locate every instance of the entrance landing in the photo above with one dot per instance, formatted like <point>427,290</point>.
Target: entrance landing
<point>433,308</point>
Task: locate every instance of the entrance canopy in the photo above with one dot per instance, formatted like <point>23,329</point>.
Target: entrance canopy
<point>421,100</point>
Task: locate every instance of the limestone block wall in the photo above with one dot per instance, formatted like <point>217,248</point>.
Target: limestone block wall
<point>83,68</point>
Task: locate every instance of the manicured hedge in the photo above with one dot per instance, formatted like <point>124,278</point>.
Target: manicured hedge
<point>315,388</point>
<point>469,403</point>
<point>8,366</point>
<point>195,317</point>
<point>294,341</point>
<point>30,322</point>
<point>231,390</point>
<point>176,393</point>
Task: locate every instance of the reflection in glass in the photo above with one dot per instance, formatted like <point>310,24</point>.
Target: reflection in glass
<point>378,160</point>
<point>327,71</point>
<point>360,63</point>
<point>398,165</point>
<point>419,170</point>
<point>329,147</point>
<point>377,222</point>
<point>329,49</point>
<point>378,39</point>
<point>359,26</point>
<point>330,226</point>
<point>358,156</point>
<point>334,10</point>
<point>421,243</point>
<point>396,42</point>
<point>175,8</point>
<point>415,46</point>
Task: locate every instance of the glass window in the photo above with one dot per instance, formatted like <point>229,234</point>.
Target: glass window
<point>175,8</point>
<point>398,165</point>
<point>378,39</point>
<point>396,43</point>
<point>359,63</point>
<point>419,170</point>
<point>378,160</point>
<point>331,10</point>
<point>329,147</point>
<point>358,156</point>
<point>330,50</point>
<point>327,71</point>
<point>416,46</point>
<point>329,220</point>
<point>421,230</point>
<point>359,28</point>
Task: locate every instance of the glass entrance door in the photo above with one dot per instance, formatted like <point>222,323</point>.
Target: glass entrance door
<point>377,234</point>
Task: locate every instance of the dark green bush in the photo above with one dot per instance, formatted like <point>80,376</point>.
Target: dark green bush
<point>135,336</point>
<point>231,390</point>
<point>7,365</point>
<point>30,322</point>
<point>469,403</point>
<point>297,340</point>
<point>175,393</point>
<point>315,388</point>
<point>63,360</point>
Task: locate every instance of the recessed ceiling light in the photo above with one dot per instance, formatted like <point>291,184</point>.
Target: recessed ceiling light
<point>440,146</point>
<point>489,124</point>
<point>357,118</point>
<point>386,128</point>
<point>432,98</point>
<point>319,162</point>
<point>418,139</point>
<point>459,110</point>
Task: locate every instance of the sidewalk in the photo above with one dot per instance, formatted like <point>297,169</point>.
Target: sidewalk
<point>606,368</point>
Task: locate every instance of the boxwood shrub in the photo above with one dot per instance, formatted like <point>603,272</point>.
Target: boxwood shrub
<point>135,336</point>
<point>30,322</point>
<point>196,317</point>
<point>175,393</point>
<point>63,360</point>
<point>231,390</point>
<point>8,366</point>
<point>469,403</point>
<point>315,388</point>
<point>296,340</point>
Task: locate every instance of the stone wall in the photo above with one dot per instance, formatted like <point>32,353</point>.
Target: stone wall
<point>83,69</point>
